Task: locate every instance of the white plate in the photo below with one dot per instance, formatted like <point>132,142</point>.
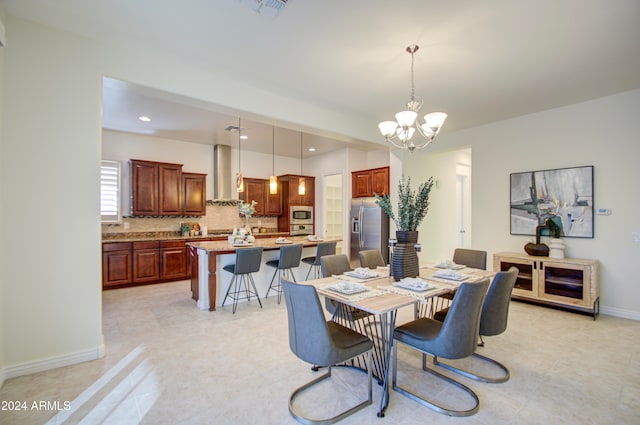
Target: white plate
<point>451,275</point>
<point>347,288</point>
<point>368,275</point>
<point>414,284</point>
<point>283,242</point>
<point>243,244</point>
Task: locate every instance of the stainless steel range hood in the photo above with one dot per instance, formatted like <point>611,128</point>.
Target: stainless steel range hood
<point>222,172</point>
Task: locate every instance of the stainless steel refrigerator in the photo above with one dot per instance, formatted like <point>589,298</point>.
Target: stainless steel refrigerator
<point>369,229</point>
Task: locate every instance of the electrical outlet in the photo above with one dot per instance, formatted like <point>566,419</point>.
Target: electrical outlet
<point>635,236</point>
<point>126,225</point>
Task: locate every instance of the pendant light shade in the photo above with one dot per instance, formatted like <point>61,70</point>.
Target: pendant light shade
<point>239,179</point>
<point>273,180</point>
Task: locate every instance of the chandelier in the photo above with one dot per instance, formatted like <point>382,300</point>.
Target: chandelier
<point>401,131</point>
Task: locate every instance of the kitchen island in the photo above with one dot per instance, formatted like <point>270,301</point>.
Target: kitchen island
<point>207,259</point>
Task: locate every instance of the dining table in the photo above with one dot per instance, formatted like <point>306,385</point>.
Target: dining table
<point>368,301</point>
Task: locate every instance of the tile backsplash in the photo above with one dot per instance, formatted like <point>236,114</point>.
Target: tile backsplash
<point>217,218</point>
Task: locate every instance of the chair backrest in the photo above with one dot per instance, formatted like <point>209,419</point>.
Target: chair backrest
<point>324,248</point>
<point>458,336</point>
<point>371,258</point>
<point>290,256</point>
<point>248,260</point>
<point>334,264</point>
<point>471,258</point>
<point>495,310</point>
<point>309,337</point>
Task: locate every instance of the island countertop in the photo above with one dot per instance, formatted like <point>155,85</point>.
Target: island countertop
<point>221,247</point>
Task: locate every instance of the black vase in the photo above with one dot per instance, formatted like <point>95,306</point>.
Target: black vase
<point>405,258</point>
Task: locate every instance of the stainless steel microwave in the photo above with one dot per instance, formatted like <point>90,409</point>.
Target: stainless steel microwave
<point>300,215</point>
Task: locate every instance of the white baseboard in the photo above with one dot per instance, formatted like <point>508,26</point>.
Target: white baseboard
<point>618,312</point>
<point>51,363</point>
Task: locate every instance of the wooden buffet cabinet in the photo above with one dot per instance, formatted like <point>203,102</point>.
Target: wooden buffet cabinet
<point>570,283</point>
<point>365,183</point>
<point>136,263</point>
<point>162,189</point>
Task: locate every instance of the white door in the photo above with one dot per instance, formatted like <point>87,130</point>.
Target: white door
<point>463,205</point>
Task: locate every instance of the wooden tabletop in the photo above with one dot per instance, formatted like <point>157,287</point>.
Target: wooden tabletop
<point>383,294</point>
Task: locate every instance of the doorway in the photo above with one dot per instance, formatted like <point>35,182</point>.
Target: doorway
<point>333,208</point>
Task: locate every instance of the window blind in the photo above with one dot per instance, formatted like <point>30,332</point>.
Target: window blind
<point>110,191</point>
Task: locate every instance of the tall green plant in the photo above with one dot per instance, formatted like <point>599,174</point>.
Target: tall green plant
<point>412,206</point>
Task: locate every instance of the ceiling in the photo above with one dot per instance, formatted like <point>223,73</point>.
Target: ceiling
<point>480,62</point>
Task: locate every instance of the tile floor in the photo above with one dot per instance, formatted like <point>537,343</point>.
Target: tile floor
<point>168,363</point>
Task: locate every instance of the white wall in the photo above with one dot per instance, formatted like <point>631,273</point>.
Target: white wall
<point>2,236</point>
<point>439,230</point>
<point>603,133</point>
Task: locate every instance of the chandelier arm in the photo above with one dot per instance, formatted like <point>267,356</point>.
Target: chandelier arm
<point>393,141</point>
<point>428,137</point>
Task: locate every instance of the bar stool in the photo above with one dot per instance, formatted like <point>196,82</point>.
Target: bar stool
<point>289,258</point>
<point>324,248</point>
<point>247,261</point>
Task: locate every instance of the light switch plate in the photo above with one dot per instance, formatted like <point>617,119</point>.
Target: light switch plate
<point>635,236</point>
<point>603,211</point>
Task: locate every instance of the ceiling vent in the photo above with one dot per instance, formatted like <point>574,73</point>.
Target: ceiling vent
<point>269,8</point>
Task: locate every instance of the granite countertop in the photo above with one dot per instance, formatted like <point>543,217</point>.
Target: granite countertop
<point>266,243</point>
<point>175,236</point>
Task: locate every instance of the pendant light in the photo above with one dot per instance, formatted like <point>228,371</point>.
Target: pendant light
<point>301,182</point>
<point>273,180</point>
<point>239,179</point>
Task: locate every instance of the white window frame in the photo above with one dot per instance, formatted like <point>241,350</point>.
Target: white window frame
<point>110,192</point>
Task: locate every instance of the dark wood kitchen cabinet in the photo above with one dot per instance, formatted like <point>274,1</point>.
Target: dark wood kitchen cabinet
<point>162,189</point>
<point>146,261</point>
<point>365,183</point>
<point>116,264</point>
<point>290,184</point>
<point>173,260</point>
<point>258,190</point>
<point>193,193</point>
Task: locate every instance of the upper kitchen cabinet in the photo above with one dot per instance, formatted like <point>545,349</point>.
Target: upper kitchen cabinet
<point>365,183</point>
<point>159,189</point>
<point>258,190</point>
<point>193,193</point>
<point>290,184</point>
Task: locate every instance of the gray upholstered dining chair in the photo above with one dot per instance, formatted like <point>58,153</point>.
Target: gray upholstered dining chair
<point>242,285</point>
<point>335,265</point>
<point>288,259</point>
<point>473,258</point>
<point>371,258</point>
<point>326,344</point>
<point>324,248</point>
<point>493,321</point>
<point>455,338</point>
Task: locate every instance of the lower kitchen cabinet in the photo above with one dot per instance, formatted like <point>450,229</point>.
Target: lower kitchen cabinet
<point>117,264</point>
<point>173,260</point>
<point>146,261</point>
<point>137,263</point>
<point>571,283</point>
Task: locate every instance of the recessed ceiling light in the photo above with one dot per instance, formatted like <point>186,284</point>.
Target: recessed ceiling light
<point>144,118</point>
<point>243,137</point>
<point>312,149</point>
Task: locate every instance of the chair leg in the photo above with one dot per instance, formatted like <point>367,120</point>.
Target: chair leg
<point>309,272</point>
<point>432,405</point>
<point>475,377</point>
<point>255,290</point>
<point>275,272</point>
<point>233,279</point>
<point>304,420</point>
